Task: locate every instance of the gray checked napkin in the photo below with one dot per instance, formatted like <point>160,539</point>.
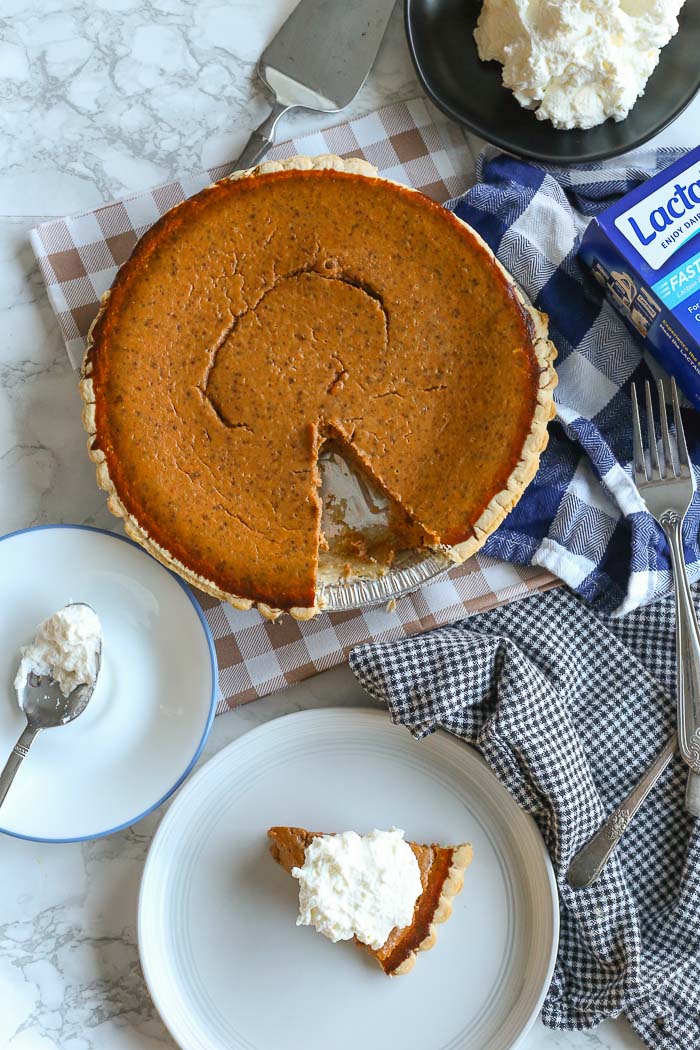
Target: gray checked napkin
<point>568,708</point>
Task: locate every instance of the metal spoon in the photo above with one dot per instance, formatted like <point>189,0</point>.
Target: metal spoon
<point>45,707</point>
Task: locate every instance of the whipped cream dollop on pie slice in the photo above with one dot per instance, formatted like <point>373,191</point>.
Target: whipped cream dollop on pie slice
<point>360,886</point>
<point>386,893</point>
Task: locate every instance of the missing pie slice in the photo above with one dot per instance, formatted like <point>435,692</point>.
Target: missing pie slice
<point>442,876</point>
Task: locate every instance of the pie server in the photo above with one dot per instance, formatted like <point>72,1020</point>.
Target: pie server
<point>319,60</point>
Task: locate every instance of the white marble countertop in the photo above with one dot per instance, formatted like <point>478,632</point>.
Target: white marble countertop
<point>100,98</point>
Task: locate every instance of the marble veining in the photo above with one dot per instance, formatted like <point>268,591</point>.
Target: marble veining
<point>117,95</point>
<point>98,98</point>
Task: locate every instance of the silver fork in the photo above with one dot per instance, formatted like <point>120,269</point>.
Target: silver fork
<point>667,489</point>
<point>667,494</point>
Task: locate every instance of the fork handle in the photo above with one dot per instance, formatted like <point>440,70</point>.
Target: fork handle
<point>17,757</point>
<point>590,860</point>
<point>687,647</point>
<point>692,794</point>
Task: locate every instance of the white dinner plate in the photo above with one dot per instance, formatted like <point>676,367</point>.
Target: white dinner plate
<point>228,968</point>
<point>154,702</point>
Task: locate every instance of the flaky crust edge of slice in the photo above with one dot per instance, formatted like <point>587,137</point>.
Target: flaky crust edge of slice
<point>497,509</point>
<point>461,859</point>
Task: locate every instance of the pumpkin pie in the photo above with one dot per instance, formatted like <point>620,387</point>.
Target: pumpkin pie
<point>302,301</point>
<point>442,877</point>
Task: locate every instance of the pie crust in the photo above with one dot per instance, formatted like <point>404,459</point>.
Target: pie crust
<point>442,875</point>
<point>488,520</point>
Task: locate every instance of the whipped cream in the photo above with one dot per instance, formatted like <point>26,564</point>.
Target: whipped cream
<point>66,647</point>
<point>358,885</point>
<point>576,62</point>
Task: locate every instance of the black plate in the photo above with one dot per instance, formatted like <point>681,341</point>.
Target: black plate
<point>440,37</point>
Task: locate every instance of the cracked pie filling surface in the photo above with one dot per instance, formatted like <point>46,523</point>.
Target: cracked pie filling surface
<point>304,301</point>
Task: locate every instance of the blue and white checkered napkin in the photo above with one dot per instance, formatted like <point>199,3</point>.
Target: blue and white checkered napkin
<point>581,517</point>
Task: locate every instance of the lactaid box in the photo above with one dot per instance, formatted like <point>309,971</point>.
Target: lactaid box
<point>645,252</point>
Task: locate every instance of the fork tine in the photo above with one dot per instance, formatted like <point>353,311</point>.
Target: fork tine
<point>683,458</point>
<point>653,449</point>
<point>665,437</point>
<point>640,469</point>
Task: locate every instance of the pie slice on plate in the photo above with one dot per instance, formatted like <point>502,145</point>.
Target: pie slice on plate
<point>442,876</point>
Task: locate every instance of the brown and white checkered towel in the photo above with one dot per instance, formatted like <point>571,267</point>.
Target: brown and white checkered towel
<point>79,257</point>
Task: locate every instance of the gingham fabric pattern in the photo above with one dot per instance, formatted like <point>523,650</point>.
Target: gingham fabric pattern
<point>79,257</point>
<point>256,657</point>
<point>568,709</point>
<point>582,517</point>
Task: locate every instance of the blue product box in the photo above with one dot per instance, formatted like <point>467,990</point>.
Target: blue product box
<point>645,252</point>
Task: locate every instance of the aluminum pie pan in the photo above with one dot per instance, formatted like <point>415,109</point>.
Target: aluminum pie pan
<point>419,568</point>
<point>353,505</point>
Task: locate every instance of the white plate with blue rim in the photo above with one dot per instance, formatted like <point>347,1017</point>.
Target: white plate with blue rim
<point>227,966</point>
<point>155,697</point>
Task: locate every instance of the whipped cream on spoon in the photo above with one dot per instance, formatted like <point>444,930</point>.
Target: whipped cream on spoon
<point>56,677</point>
